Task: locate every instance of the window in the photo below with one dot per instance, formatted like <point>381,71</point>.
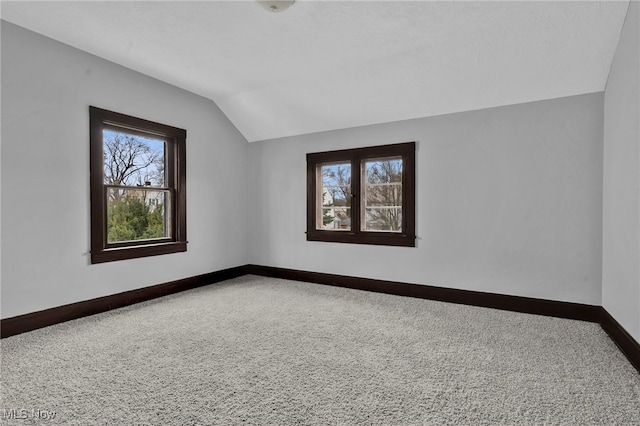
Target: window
<point>138,195</point>
<point>363,195</point>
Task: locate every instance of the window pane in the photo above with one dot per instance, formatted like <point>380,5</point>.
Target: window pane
<point>337,219</point>
<point>383,219</point>
<point>137,214</point>
<point>133,160</point>
<point>334,195</point>
<point>382,195</point>
<point>384,170</point>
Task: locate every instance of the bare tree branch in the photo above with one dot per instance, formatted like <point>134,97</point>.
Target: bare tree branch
<point>130,161</point>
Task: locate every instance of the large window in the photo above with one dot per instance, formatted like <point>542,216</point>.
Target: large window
<point>363,195</point>
<point>138,196</point>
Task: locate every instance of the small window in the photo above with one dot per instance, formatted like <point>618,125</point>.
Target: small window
<point>138,197</point>
<point>363,195</point>
<point>334,196</point>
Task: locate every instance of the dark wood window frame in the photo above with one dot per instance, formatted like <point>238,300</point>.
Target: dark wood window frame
<point>175,138</point>
<point>356,157</point>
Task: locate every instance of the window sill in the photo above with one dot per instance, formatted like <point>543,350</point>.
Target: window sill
<point>372,238</point>
<point>133,252</point>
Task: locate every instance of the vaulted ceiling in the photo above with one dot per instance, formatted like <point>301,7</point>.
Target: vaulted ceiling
<point>325,65</point>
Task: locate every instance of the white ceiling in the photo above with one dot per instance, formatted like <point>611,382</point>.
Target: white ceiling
<point>324,65</point>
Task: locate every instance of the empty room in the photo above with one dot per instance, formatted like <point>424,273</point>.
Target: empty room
<point>320,212</point>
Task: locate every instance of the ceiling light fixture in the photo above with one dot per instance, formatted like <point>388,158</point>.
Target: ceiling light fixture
<point>276,5</point>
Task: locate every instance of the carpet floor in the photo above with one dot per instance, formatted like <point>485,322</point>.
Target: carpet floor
<point>257,350</point>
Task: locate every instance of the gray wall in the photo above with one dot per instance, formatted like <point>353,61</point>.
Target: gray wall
<point>621,218</point>
<point>509,200</point>
<point>47,88</point>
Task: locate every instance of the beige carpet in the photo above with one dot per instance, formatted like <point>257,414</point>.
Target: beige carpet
<point>256,350</point>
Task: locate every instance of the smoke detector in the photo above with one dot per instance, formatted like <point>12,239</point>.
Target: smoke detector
<point>276,6</point>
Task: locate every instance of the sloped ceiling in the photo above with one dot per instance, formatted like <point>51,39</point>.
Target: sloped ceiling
<point>324,65</point>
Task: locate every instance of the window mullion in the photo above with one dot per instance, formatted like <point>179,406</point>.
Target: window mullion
<point>318,195</point>
<point>170,163</point>
<point>356,194</point>
<point>139,188</point>
<point>405,173</point>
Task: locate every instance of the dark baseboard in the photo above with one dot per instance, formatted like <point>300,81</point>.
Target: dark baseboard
<point>552,308</point>
<point>626,343</point>
<point>621,337</point>
<point>466,297</point>
<point>32,321</point>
